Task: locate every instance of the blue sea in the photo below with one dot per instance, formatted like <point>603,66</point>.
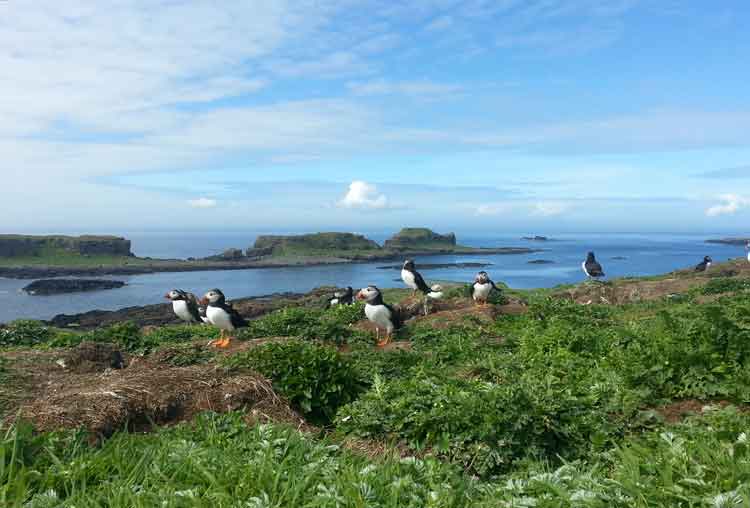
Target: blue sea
<point>644,254</point>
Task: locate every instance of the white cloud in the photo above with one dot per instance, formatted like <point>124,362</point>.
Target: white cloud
<point>420,88</point>
<point>490,209</point>
<point>364,196</point>
<point>202,203</point>
<point>549,209</point>
<point>440,23</point>
<point>732,203</point>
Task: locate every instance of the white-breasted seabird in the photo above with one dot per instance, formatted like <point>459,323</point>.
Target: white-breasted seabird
<point>184,305</point>
<point>221,315</point>
<point>345,297</point>
<point>747,248</point>
<point>379,313</point>
<point>413,279</point>
<point>704,265</point>
<point>591,267</point>
<point>483,285</point>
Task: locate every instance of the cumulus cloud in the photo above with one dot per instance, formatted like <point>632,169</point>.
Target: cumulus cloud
<point>202,203</point>
<point>364,196</point>
<point>549,209</point>
<point>731,204</point>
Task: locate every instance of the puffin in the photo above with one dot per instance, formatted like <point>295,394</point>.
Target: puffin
<point>591,267</point>
<point>704,265</point>
<point>379,313</point>
<point>747,248</point>
<point>483,286</point>
<point>222,316</point>
<point>184,305</point>
<point>413,279</point>
<point>345,297</point>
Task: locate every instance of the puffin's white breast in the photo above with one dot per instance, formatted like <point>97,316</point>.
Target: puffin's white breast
<point>180,308</point>
<point>380,315</point>
<point>408,279</point>
<point>583,265</point>
<point>481,291</point>
<point>219,318</point>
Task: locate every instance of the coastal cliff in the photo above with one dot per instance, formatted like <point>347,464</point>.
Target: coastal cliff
<point>21,246</point>
<point>420,239</point>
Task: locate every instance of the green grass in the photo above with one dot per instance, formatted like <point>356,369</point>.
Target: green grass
<point>552,408</point>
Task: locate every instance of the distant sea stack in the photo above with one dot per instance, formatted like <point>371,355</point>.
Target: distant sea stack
<point>419,238</point>
<point>730,241</point>
<point>535,238</point>
<point>46,287</point>
<point>35,246</point>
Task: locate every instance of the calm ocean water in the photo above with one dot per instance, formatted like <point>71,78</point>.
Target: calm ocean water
<point>645,254</point>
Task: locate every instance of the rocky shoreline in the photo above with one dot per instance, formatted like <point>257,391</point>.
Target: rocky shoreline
<point>161,313</point>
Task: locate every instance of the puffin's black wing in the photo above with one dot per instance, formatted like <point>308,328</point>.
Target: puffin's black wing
<point>419,281</point>
<point>237,320</point>
<point>395,316</point>
<point>193,309</point>
<point>493,285</point>
<point>700,267</point>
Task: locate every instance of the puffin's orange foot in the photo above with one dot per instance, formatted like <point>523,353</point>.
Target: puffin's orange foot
<point>222,343</point>
<point>382,343</point>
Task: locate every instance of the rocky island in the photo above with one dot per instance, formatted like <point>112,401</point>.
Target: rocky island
<point>730,241</point>
<point>47,287</point>
<point>29,257</point>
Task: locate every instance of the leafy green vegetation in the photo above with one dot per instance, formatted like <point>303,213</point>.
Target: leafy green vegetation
<point>331,325</point>
<point>316,379</point>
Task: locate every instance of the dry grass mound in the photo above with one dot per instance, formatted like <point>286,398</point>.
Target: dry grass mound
<point>143,394</point>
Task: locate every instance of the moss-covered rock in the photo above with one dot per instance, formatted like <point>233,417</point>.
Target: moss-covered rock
<point>313,243</point>
<point>420,238</point>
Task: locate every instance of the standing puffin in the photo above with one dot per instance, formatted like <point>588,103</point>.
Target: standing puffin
<point>184,305</point>
<point>379,313</point>
<point>413,279</point>
<point>591,267</point>
<point>704,265</point>
<point>483,285</point>
<point>747,248</point>
<point>345,297</point>
<point>222,316</point>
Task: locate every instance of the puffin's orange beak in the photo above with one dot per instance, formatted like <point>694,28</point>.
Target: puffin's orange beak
<point>360,296</point>
<point>203,301</point>
<point>167,296</point>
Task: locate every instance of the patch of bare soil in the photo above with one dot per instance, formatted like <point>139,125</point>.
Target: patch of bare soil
<point>103,399</point>
<point>678,410</point>
<point>620,291</point>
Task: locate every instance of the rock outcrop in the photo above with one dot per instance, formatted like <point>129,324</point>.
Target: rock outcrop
<point>34,246</point>
<point>312,243</point>
<point>60,286</point>
<point>730,241</point>
<point>420,238</point>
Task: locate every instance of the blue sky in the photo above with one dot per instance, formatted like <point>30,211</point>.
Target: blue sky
<point>366,115</point>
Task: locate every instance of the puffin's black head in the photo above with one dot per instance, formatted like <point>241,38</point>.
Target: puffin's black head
<point>482,277</point>
<point>213,297</point>
<point>369,294</point>
<point>409,265</point>
<point>590,257</point>
<point>349,290</point>
<point>707,259</point>
<point>176,295</point>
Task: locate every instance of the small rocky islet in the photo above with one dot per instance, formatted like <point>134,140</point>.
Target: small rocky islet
<point>46,287</point>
